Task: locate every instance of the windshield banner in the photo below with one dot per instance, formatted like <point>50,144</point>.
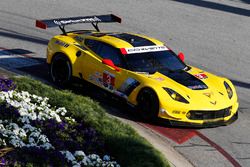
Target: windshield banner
<point>143,49</point>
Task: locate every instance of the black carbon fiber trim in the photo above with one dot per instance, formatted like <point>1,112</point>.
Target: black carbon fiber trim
<point>134,40</point>
<point>207,115</point>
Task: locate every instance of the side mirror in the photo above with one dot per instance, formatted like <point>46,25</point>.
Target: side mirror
<point>181,56</point>
<point>110,63</point>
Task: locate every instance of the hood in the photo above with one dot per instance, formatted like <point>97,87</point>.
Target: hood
<point>193,79</point>
<point>201,87</point>
<point>184,78</point>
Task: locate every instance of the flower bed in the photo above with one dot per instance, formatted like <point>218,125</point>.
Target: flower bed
<point>32,132</point>
<point>120,140</point>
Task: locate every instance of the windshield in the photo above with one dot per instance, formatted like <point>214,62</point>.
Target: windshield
<point>154,61</point>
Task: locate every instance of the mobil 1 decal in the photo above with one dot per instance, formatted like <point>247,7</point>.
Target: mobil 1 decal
<point>108,80</point>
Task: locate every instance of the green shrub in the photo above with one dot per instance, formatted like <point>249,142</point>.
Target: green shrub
<point>121,141</point>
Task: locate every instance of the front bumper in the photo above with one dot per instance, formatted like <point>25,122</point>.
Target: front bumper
<point>211,118</point>
<point>205,124</point>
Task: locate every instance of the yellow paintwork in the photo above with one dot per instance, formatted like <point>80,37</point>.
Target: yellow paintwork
<point>90,66</point>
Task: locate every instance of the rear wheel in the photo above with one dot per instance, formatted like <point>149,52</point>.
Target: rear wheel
<point>148,104</point>
<point>61,71</point>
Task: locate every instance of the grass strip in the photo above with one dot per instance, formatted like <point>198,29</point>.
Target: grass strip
<point>123,142</point>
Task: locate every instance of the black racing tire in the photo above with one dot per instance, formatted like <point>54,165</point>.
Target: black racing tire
<point>60,71</point>
<point>148,104</point>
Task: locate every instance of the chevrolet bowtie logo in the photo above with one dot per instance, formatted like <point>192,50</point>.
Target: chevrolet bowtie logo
<point>213,102</point>
<point>207,94</point>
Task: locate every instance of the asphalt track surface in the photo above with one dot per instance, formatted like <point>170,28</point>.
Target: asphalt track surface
<point>213,34</point>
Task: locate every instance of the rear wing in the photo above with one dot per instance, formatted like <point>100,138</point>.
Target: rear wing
<point>62,22</point>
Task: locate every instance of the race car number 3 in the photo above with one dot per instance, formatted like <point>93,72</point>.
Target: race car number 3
<point>108,80</point>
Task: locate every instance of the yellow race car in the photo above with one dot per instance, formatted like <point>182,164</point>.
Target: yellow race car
<point>141,70</point>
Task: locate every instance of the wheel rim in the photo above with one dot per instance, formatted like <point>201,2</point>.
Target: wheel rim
<point>148,105</point>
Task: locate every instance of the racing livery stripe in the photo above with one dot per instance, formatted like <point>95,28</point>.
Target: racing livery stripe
<point>143,49</point>
<point>134,40</point>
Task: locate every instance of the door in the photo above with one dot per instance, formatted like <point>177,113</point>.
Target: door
<point>104,75</point>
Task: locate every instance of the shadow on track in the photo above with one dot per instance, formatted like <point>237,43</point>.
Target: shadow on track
<point>16,14</point>
<point>245,1</point>
<point>23,37</point>
<point>241,84</point>
<point>218,6</point>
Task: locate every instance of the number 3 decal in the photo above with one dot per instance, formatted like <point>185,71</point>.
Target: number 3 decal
<point>108,80</point>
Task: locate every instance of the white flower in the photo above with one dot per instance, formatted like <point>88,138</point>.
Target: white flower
<point>12,126</point>
<point>47,146</point>
<point>35,134</point>
<point>85,161</point>
<point>76,165</point>
<point>2,127</point>
<point>106,158</point>
<point>61,111</point>
<point>43,138</point>
<point>90,160</point>
<point>16,142</point>
<point>24,119</point>
<point>2,142</point>
<point>31,140</point>
<point>79,154</point>
<point>28,128</point>
<point>25,94</point>
<point>68,155</point>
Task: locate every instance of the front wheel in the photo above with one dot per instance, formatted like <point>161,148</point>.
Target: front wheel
<point>61,71</point>
<point>148,104</point>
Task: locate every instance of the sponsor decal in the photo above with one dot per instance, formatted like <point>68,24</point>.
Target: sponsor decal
<point>63,44</point>
<point>201,76</point>
<point>195,87</point>
<point>143,49</point>
<point>128,86</point>
<point>105,79</point>
<point>159,79</point>
<point>108,80</point>
<point>96,77</point>
<point>156,78</point>
<point>82,20</point>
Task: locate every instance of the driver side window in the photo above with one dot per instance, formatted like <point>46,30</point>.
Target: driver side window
<point>106,51</point>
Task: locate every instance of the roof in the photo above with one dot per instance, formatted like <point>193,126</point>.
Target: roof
<point>120,40</point>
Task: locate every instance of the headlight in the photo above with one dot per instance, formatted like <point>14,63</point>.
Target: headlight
<point>176,96</point>
<point>229,90</point>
